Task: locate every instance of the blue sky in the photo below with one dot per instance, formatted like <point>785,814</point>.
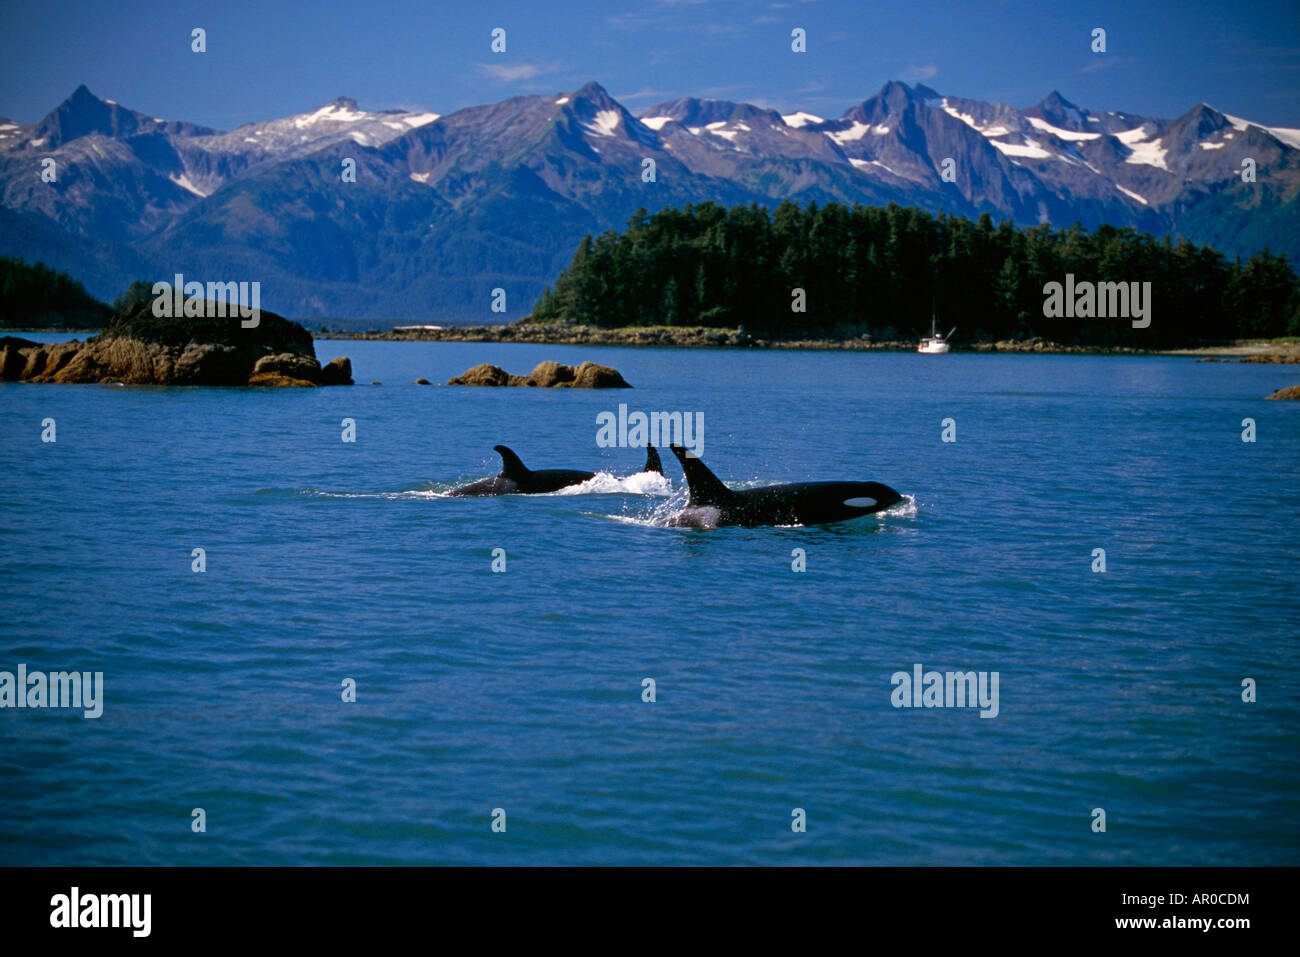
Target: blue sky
<point>268,59</point>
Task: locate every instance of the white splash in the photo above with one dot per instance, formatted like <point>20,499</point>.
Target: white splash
<point>904,509</point>
<point>606,483</point>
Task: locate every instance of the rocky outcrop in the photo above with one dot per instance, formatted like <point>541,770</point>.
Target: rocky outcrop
<point>139,348</point>
<point>285,369</point>
<point>592,376</point>
<point>550,374</point>
<point>482,375</point>
<point>1273,357</point>
<point>337,371</point>
<point>547,375</point>
<point>1291,392</point>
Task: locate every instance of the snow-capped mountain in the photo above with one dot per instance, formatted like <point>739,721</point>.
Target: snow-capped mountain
<point>444,209</point>
<point>121,175</point>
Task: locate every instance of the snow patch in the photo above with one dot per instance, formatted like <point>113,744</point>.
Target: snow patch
<point>719,129</point>
<point>800,119</point>
<point>863,164</point>
<point>561,101</point>
<point>854,132</point>
<point>420,177</point>
<point>183,182</point>
<point>1213,146</point>
<point>1059,133</point>
<point>656,123</point>
<point>1144,152</point>
<point>1135,135</point>
<point>1132,195</point>
<point>411,121</point>
<point>1029,148</point>
<point>969,120</point>
<point>330,113</point>
<point>1283,135</point>
<point>603,123</point>
<point>1290,137</point>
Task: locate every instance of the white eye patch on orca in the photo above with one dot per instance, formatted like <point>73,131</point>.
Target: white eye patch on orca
<point>860,502</point>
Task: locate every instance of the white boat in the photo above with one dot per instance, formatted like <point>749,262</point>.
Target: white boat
<point>935,344</point>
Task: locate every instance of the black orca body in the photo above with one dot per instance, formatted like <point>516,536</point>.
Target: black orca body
<point>807,503</point>
<point>518,479</point>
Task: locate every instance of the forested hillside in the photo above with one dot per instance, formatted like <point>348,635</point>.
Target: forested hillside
<point>33,296</point>
<point>879,269</point>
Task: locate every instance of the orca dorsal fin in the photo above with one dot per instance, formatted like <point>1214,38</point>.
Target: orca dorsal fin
<point>705,487</point>
<point>652,463</point>
<point>511,467</point>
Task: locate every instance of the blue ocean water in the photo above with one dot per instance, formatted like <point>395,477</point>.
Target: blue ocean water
<point>522,690</point>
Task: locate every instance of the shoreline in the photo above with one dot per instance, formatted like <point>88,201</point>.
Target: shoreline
<point>700,337</point>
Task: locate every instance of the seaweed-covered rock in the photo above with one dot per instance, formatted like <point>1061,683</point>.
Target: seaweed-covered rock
<point>483,374</point>
<point>593,376</point>
<point>337,371</point>
<point>288,364</point>
<point>547,375</point>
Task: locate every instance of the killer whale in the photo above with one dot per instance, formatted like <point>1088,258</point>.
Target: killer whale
<point>805,503</point>
<point>516,478</point>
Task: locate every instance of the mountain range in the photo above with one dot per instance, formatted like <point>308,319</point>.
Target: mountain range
<point>444,209</point>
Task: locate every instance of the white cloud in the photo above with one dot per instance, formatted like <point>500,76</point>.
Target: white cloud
<point>514,72</point>
<point>645,93</point>
<point>915,74</point>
